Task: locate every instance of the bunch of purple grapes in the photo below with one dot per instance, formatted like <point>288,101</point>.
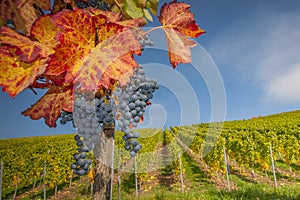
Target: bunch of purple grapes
<point>81,165</point>
<point>99,4</point>
<point>132,102</point>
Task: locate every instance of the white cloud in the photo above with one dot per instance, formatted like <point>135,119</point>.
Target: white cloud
<point>285,87</point>
<point>263,49</point>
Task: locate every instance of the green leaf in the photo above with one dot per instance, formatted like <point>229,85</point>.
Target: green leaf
<point>131,8</point>
<point>141,3</point>
<point>152,5</point>
<point>147,15</point>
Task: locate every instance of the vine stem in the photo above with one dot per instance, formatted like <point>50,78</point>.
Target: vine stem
<point>117,3</point>
<point>155,28</point>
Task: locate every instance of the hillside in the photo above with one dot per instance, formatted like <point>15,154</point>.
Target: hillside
<point>201,147</point>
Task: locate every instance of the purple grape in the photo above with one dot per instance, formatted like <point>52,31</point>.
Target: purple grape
<point>77,137</point>
<point>81,172</point>
<point>89,161</point>
<point>132,153</point>
<point>76,156</point>
<point>83,155</point>
<point>73,166</point>
<point>81,162</point>
<point>79,143</point>
<point>137,147</point>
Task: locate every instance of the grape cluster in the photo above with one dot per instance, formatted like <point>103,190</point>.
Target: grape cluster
<point>81,165</point>
<point>105,110</point>
<point>85,119</point>
<point>11,24</point>
<point>99,4</point>
<point>145,41</point>
<point>132,101</point>
<point>66,117</point>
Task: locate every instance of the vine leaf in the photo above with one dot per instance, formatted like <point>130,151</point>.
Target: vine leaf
<point>152,5</point>
<point>23,12</point>
<point>109,16</point>
<point>76,37</point>
<point>111,58</point>
<point>131,8</point>
<point>26,50</point>
<point>50,105</point>
<point>147,15</point>
<point>179,24</point>
<point>21,61</point>
<point>15,76</point>
<point>44,31</point>
<point>83,61</point>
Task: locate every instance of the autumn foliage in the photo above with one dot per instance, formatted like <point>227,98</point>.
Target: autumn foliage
<point>88,46</point>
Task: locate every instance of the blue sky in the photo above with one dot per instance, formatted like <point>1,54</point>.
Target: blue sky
<point>253,45</point>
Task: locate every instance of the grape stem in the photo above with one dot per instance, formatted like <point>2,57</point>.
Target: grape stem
<point>117,4</point>
<point>33,91</point>
<point>158,27</point>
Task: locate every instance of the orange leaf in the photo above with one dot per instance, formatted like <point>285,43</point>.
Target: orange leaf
<point>113,54</point>
<point>27,50</point>
<point>44,31</point>
<point>91,175</point>
<point>22,12</point>
<point>179,24</point>
<point>15,76</point>
<point>133,22</point>
<point>77,38</point>
<point>120,70</point>
<point>85,62</point>
<point>110,16</point>
<point>50,106</point>
<point>9,10</point>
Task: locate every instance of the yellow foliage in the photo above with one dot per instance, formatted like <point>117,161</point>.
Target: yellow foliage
<point>91,175</point>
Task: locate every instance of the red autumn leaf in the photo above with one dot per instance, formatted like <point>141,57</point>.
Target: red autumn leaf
<point>50,106</point>
<point>56,80</point>
<point>23,12</point>
<point>132,22</point>
<point>85,62</point>
<point>44,31</point>
<point>9,10</point>
<point>15,76</point>
<point>110,16</point>
<point>50,81</point>
<point>77,38</point>
<point>26,49</point>
<point>179,24</point>
<point>58,5</point>
<point>120,70</point>
<point>111,58</point>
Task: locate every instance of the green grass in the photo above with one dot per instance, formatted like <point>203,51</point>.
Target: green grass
<point>201,188</point>
<point>253,192</point>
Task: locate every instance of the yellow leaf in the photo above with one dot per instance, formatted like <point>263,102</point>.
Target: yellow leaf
<point>147,15</point>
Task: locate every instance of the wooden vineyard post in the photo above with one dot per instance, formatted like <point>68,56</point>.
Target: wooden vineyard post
<point>119,188</point>
<point>103,154</point>
<point>226,168</point>
<point>70,184</point>
<point>273,167</point>
<point>181,176</point>
<point>44,177</point>
<point>92,184</point>
<point>1,173</point>
<point>135,177</point>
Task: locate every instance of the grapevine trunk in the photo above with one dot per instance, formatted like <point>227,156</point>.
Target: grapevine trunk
<point>103,154</point>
